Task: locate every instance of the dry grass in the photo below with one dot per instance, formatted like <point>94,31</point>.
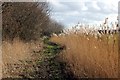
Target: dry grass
<point>88,56</point>
<point>14,53</point>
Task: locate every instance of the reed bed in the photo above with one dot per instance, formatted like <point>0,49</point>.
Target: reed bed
<point>90,56</point>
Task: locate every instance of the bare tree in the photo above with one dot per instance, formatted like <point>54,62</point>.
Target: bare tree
<point>28,21</point>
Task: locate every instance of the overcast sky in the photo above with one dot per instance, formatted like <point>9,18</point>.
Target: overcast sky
<point>70,12</point>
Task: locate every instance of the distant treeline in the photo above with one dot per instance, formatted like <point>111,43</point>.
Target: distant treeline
<point>27,21</point>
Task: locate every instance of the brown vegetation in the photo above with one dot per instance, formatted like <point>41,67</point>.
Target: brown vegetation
<point>87,56</point>
<point>23,26</point>
<point>28,21</point>
<point>25,23</point>
<point>15,57</point>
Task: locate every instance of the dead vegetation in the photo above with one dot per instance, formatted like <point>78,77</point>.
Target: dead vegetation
<point>86,55</point>
<point>90,57</point>
<point>19,56</point>
<point>23,26</point>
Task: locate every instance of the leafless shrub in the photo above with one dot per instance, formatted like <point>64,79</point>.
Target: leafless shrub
<point>28,21</point>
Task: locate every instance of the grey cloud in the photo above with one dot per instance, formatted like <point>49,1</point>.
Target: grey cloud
<point>91,14</point>
<point>105,8</point>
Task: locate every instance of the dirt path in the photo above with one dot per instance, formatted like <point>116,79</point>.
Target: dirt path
<point>33,61</point>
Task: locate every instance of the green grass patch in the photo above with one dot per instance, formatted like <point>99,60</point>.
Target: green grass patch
<point>51,50</point>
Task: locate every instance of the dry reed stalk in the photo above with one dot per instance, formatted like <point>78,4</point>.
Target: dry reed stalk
<point>90,57</point>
